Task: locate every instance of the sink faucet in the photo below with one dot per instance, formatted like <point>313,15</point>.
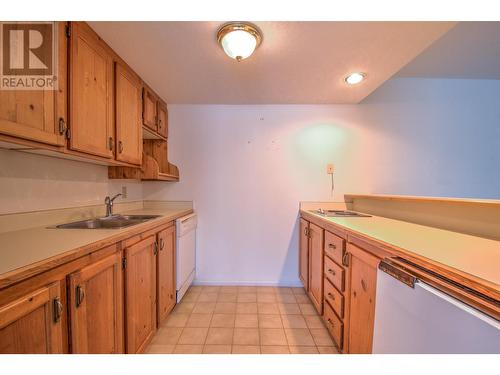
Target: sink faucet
<point>109,204</point>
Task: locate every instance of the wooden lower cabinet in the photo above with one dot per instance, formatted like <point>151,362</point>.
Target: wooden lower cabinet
<point>304,253</point>
<point>166,292</point>
<point>96,307</point>
<point>140,293</point>
<point>32,323</point>
<point>316,237</point>
<point>362,289</point>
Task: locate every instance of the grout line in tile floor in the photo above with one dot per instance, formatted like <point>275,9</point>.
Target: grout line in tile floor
<point>254,296</point>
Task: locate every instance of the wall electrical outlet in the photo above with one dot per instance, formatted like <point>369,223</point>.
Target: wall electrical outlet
<point>329,168</point>
<point>124,192</point>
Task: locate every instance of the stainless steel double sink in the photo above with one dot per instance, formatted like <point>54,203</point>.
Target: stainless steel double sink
<point>108,222</point>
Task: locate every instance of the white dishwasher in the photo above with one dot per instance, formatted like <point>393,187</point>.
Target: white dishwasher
<point>186,253</point>
<point>413,317</point>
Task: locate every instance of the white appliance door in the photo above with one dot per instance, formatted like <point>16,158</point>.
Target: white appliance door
<point>425,320</point>
<point>186,253</point>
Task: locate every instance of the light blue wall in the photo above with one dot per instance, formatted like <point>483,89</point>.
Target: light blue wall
<point>437,137</point>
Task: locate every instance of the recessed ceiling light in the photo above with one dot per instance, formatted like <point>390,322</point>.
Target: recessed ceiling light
<point>355,78</point>
<point>239,39</point>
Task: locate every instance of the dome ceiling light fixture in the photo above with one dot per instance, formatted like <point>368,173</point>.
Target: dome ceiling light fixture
<point>354,78</point>
<point>239,39</point>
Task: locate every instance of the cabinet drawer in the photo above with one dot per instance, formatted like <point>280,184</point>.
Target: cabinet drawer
<point>334,247</point>
<point>334,326</point>
<point>334,298</point>
<point>334,273</point>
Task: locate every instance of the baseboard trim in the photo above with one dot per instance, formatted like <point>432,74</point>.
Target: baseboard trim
<point>290,284</point>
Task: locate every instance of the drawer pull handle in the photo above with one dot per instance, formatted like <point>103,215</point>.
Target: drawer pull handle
<point>331,322</point>
<point>331,296</point>
<point>331,271</point>
<point>162,243</point>
<point>332,246</point>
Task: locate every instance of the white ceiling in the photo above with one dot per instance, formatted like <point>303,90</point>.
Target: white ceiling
<point>298,62</point>
<point>469,50</point>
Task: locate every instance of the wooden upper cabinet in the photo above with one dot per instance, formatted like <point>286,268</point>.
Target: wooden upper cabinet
<point>31,324</point>
<point>140,294</point>
<point>96,307</point>
<point>162,119</point>
<point>38,115</point>
<point>128,115</point>
<point>91,94</point>
<point>166,272</point>
<point>363,284</point>
<point>304,253</point>
<point>316,236</point>
<point>149,108</point>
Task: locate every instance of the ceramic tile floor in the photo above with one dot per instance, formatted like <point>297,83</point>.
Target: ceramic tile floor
<point>243,320</point>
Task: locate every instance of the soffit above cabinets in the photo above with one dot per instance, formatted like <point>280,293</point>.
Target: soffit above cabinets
<point>297,63</point>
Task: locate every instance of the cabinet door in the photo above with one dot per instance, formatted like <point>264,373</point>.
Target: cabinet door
<point>91,96</point>
<point>363,284</point>
<point>316,236</point>
<point>304,253</point>
<point>32,324</point>
<point>96,307</point>
<point>140,294</point>
<point>149,109</point>
<point>35,115</point>
<point>128,116</point>
<point>166,272</point>
<point>162,119</point>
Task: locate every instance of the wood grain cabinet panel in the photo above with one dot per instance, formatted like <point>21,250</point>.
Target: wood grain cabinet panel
<point>334,326</point>
<point>35,115</point>
<point>166,272</point>
<point>149,108</point>
<point>31,324</point>
<point>128,115</point>
<point>363,283</point>
<point>140,294</point>
<point>91,94</point>
<point>96,307</point>
<point>162,119</point>
<point>316,236</point>
<point>304,253</point>
<point>334,273</point>
<point>334,247</point>
<point>334,298</point>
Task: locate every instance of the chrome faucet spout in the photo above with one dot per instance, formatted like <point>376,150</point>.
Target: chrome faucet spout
<point>109,204</point>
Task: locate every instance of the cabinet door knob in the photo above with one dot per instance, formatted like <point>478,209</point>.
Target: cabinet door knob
<point>58,308</point>
<point>345,259</point>
<point>120,147</point>
<point>80,295</point>
<point>331,322</point>
<point>155,248</point>
<point>110,143</point>
<point>162,244</point>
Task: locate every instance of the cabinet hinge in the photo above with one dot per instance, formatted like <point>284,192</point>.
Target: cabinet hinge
<point>68,31</point>
<point>124,263</point>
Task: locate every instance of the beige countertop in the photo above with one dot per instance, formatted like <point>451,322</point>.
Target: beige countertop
<point>21,249</point>
<point>475,256</point>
